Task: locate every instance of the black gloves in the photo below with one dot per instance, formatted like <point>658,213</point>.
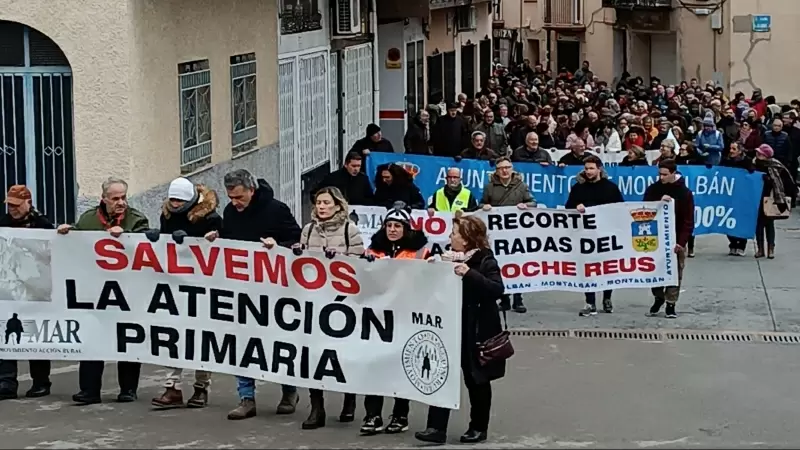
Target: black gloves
<point>369,258</point>
<point>297,250</point>
<point>152,234</point>
<point>178,236</point>
<point>457,158</point>
<point>330,253</point>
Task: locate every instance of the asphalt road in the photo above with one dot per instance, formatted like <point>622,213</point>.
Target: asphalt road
<point>559,393</point>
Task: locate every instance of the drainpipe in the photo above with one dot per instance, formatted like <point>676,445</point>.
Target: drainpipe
<point>376,91</point>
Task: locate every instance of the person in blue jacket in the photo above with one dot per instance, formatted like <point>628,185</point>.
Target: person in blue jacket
<point>709,143</point>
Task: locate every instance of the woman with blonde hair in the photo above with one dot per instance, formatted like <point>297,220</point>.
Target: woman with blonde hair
<point>480,321</point>
<point>636,157</point>
<point>330,231</point>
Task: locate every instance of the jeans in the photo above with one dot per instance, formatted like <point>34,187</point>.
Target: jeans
<point>40,373</point>
<point>765,226</point>
<point>591,298</point>
<point>90,376</point>
<point>735,243</point>
<point>480,407</point>
<point>246,387</point>
<point>671,293</point>
<point>373,404</point>
<point>202,379</point>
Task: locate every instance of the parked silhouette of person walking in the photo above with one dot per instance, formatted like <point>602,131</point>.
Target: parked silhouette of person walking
<point>14,326</point>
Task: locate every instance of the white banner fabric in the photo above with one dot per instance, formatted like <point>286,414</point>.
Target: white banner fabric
<point>390,327</point>
<point>621,245</point>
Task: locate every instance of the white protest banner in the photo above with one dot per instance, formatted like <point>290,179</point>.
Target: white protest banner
<point>389,327</point>
<point>622,245</point>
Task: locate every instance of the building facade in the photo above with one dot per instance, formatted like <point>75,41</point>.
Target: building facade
<point>162,88</point>
<point>428,52</point>
<point>736,43</point>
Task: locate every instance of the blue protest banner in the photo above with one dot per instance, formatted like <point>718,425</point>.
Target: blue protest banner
<point>726,200</point>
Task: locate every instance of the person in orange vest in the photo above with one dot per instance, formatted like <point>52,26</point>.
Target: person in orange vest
<point>395,240</point>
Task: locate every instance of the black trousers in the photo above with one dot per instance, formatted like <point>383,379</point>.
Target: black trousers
<point>480,407</point>
<point>90,376</point>
<point>691,243</point>
<point>373,404</point>
<point>317,394</point>
<point>506,299</point>
<point>735,243</point>
<point>591,297</point>
<point>40,373</point>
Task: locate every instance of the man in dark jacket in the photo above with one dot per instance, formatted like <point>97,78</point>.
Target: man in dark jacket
<point>593,188</point>
<point>115,216</point>
<point>780,142</point>
<point>736,158</point>
<point>507,188</point>
<point>22,214</point>
<point>663,133</point>
<point>255,215</point>
<point>450,135</point>
<point>531,152</point>
<point>671,187</point>
<point>373,141</point>
<point>189,210</point>
<point>418,136</point>
<point>350,180</point>
<point>576,156</point>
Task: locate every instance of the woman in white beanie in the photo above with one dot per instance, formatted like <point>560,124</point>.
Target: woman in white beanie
<point>189,210</point>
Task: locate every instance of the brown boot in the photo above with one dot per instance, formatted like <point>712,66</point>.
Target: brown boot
<point>771,252</point>
<point>317,417</point>
<point>199,398</point>
<point>245,410</point>
<point>759,252</point>
<point>288,403</point>
<point>170,399</point>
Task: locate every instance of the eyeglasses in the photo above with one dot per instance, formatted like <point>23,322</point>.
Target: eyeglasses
<point>503,167</point>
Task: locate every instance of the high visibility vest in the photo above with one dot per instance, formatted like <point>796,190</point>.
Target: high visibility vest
<point>402,254</point>
<point>459,203</point>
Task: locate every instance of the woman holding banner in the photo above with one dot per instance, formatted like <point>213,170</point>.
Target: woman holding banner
<point>394,240</point>
<point>777,197</point>
<point>330,231</point>
<point>480,321</point>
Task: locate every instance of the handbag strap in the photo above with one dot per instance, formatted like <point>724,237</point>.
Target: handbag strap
<point>505,321</point>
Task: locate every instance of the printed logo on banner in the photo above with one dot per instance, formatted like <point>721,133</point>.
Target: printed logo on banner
<point>425,362</point>
<point>644,230</point>
<point>20,332</point>
<point>409,167</point>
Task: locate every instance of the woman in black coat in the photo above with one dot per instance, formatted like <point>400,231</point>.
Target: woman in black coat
<point>394,184</point>
<point>480,321</point>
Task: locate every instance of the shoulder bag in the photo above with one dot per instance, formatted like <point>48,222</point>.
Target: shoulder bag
<point>497,348</point>
<point>771,209</point>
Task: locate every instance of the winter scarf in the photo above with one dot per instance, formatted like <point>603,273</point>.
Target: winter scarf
<point>458,257</point>
<point>774,169</point>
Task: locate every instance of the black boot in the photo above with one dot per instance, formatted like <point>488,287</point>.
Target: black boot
<point>126,396</point>
<point>473,437</point>
<point>317,417</point>
<point>86,398</point>
<point>657,304</point>
<point>38,390</point>
<point>431,435</point>
<point>348,408</point>
<point>6,393</point>
<point>518,306</point>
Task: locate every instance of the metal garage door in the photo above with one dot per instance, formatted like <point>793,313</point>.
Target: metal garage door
<point>333,112</point>
<point>289,173</point>
<point>358,99</point>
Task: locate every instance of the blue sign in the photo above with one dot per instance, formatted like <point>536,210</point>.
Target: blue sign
<point>726,200</point>
<point>762,23</point>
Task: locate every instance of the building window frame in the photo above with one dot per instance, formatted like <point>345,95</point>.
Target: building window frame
<point>194,81</point>
<point>466,18</point>
<point>300,16</point>
<point>244,103</point>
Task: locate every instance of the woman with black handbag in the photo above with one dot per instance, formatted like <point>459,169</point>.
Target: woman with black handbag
<point>484,340</point>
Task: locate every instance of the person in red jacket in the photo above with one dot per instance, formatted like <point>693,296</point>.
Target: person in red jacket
<point>671,187</point>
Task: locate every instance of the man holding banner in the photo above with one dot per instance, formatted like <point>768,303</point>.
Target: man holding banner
<point>671,187</point>
<point>593,188</point>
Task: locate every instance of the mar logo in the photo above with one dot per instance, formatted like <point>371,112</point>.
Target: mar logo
<point>425,362</point>
<point>644,230</point>
<point>16,331</point>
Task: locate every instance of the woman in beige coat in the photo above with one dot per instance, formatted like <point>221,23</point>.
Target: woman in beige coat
<point>330,231</point>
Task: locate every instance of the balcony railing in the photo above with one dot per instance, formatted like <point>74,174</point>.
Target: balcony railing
<point>563,14</point>
<point>638,4</point>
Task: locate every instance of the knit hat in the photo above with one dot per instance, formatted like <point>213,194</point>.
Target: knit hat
<point>765,150</point>
<point>708,122</point>
<point>399,213</point>
<point>182,189</point>
<point>372,129</point>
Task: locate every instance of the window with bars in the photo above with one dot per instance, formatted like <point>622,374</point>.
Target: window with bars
<point>299,16</point>
<point>194,79</point>
<point>244,103</point>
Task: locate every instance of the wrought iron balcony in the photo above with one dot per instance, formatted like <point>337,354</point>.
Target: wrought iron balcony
<point>562,14</point>
<point>638,4</point>
<point>440,4</point>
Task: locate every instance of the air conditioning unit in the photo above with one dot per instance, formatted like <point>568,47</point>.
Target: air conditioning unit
<point>466,18</point>
<point>347,18</point>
